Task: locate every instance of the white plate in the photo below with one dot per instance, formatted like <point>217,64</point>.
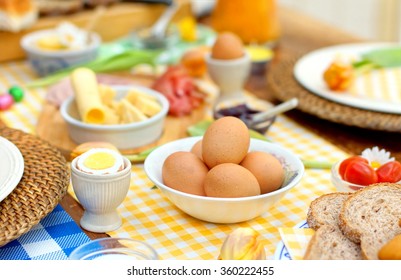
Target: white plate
<point>281,252</point>
<point>376,91</point>
<point>11,167</point>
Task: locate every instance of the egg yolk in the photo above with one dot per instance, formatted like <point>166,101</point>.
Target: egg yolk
<point>99,161</point>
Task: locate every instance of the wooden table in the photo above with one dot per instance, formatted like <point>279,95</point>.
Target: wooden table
<point>304,34</point>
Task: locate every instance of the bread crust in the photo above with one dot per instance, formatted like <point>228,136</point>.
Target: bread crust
<point>316,218</point>
<point>17,8</point>
<point>371,217</point>
<point>328,242</point>
<point>17,15</point>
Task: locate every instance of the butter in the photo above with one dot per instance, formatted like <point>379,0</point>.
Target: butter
<point>51,43</point>
<point>259,53</point>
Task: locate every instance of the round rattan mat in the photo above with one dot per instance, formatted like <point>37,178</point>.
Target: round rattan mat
<point>44,183</point>
<point>283,85</point>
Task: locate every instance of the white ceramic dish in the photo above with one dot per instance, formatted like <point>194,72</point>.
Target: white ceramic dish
<point>340,184</point>
<point>223,210</point>
<point>45,62</point>
<point>123,136</point>
<point>309,69</point>
<point>12,167</point>
<point>229,75</point>
<point>100,195</point>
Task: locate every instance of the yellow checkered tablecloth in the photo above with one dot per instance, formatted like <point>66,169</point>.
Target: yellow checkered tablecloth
<point>149,216</point>
<point>296,240</point>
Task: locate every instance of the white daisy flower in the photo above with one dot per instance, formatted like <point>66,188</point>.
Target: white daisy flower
<point>376,157</point>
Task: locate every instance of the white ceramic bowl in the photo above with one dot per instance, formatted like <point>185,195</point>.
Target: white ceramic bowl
<point>223,210</point>
<point>123,136</point>
<point>45,62</point>
<point>340,184</point>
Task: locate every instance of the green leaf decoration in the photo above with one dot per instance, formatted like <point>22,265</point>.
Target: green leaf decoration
<point>199,129</point>
<point>313,164</point>
<point>256,135</point>
<point>384,57</point>
<point>140,157</point>
<point>118,62</point>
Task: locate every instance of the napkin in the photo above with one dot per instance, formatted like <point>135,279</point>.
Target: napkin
<point>53,238</point>
<point>296,240</point>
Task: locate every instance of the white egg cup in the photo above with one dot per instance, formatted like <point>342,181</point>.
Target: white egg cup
<point>229,75</point>
<point>100,195</point>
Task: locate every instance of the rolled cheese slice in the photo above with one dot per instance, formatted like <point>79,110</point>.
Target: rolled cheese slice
<point>87,96</point>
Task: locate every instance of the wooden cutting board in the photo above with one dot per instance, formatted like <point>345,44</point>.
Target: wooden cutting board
<point>51,126</point>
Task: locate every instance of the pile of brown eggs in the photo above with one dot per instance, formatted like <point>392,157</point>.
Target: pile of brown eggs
<point>221,165</point>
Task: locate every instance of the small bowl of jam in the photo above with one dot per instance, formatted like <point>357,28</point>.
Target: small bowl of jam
<point>246,113</point>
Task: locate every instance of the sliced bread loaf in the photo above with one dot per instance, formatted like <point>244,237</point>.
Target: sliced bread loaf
<point>372,216</point>
<point>329,243</point>
<point>325,209</point>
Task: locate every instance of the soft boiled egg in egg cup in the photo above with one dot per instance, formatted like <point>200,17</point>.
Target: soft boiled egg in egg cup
<point>100,180</point>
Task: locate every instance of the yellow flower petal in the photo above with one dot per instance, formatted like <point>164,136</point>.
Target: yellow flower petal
<point>242,244</point>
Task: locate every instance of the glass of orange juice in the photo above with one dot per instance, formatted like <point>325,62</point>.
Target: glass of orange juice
<point>255,22</point>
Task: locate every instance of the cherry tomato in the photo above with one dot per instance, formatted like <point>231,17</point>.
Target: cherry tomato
<point>360,173</point>
<point>344,164</point>
<point>389,172</point>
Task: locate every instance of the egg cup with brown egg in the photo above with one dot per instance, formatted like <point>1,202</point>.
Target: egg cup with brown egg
<point>228,65</point>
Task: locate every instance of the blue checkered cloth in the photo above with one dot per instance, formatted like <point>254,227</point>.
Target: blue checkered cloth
<point>53,238</point>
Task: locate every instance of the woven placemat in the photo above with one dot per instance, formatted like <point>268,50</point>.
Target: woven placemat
<point>283,85</point>
<point>44,183</point>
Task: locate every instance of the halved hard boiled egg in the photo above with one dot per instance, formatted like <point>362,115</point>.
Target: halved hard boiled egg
<point>100,161</point>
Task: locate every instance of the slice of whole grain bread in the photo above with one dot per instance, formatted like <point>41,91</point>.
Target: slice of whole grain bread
<point>325,209</point>
<point>328,242</point>
<point>371,217</point>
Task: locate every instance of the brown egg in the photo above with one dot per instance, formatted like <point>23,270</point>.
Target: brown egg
<point>266,168</point>
<point>185,172</point>
<point>197,149</point>
<point>227,46</point>
<point>230,180</point>
<point>226,140</point>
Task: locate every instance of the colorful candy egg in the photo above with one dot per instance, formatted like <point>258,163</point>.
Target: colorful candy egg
<point>6,101</point>
<point>17,93</point>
